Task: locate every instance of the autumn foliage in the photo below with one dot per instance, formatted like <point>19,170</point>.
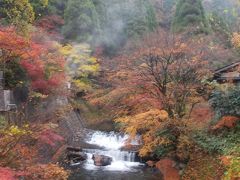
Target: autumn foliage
<point>148,123</point>
<point>46,172</point>
<point>41,59</point>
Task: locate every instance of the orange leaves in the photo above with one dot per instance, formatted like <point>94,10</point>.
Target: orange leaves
<point>236,40</point>
<point>166,166</point>
<point>46,172</point>
<point>165,69</point>
<point>226,160</point>
<point>146,120</point>
<point>226,121</point>
<point>11,42</point>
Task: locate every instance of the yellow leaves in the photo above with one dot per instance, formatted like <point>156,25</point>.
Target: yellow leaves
<point>163,115</point>
<point>236,40</point>
<point>47,172</point>
<point>151,142</point>
<point>66,50</point>
<point>16,131</point>
<point>184,146</point>
<point>93,69</point>
<point>233,167</point>
<point>34,94</point>
<point>80,64</point>
<point>82,85</point>
<point>109,98</point>
<point>146,120</point>
<point>131,130</point>
<point>148,123</point>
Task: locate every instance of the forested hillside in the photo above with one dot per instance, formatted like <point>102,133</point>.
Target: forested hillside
<point>119,89</point>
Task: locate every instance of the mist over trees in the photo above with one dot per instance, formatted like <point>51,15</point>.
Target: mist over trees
<point>108,23</point>
<point>166,71</point>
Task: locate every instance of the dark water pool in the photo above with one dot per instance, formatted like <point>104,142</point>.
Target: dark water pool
<point>140,174</point>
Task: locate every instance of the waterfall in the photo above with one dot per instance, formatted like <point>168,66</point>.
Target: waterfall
<point>110,140</point>
<point>110,144</point>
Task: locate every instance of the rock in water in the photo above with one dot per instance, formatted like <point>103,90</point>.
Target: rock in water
<point>77,156</point>
<point>101,160</point>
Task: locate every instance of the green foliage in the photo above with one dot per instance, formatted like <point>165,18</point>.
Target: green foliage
<point>221,26</point>
<point>190,14</point>
<point>169,5</point>
<point>56,7</point>
<point>81,20</point>
<point>227,10</point>
<point>14,74</point>
<point>39,6</point>
<point>225,143</point>
<point>165,149</point>
<point>226,102</point>
<point>15,131</point>
<point>3,122</point>
<point>17,12</point>
<point>141,19</point>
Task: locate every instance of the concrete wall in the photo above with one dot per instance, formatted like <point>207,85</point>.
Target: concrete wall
<point>5,100</point>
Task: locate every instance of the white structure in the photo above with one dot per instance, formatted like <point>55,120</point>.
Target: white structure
<point>5,97</point>
<point>1,80</point>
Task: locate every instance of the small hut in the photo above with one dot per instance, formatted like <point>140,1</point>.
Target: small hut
<point>228,74</point>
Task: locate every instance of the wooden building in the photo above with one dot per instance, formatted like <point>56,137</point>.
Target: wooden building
<point>228,74</point>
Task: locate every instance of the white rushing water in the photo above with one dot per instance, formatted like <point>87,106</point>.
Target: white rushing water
<point>110,140</point>
<point>111,144</point>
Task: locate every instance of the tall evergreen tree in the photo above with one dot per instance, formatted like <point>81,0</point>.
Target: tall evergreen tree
<point>39,7</point>
<point>56,7</point>
<point>190,14</point>
<point>81,20</point>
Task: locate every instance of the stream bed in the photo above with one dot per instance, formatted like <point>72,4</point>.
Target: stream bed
<point>125,164</point>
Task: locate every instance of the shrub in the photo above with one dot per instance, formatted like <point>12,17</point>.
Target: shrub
<point>226,102</point>
<point>226,142</point>
<point>47,172</point>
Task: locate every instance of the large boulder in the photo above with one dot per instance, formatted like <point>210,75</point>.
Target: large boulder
<point>101,160</point>
<point>168,170</point>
